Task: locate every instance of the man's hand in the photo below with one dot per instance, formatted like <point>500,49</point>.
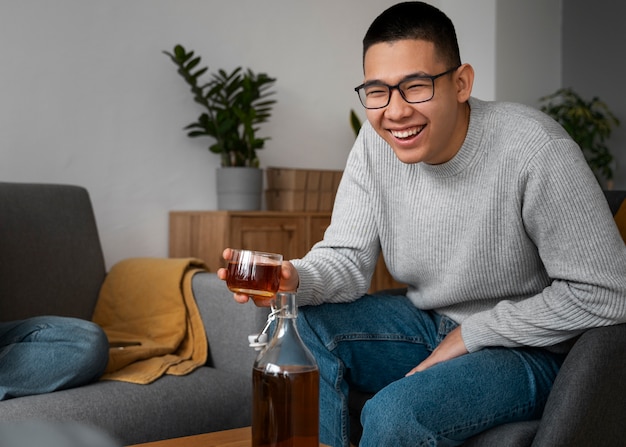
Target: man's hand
<point>288,282</point>
<point>451,347</point>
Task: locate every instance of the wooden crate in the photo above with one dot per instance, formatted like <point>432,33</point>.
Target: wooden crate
<point>301,189</point>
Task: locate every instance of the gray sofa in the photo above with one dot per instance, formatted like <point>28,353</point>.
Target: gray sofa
<point>51,263</point>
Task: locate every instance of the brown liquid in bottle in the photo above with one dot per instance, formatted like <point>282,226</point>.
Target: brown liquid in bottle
<point>285,412</point>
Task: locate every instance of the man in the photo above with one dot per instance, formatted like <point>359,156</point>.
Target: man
<point>48,353</point>
<point>490,215</point>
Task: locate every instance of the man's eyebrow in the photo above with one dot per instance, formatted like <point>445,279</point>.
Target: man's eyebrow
<point>419,74</point>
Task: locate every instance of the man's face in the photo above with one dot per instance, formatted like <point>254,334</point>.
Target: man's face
<point>432,131</point>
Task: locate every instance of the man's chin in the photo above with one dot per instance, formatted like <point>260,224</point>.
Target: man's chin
<point>408,156</point>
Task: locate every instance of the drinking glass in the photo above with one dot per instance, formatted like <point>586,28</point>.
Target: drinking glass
<point>254,273</point>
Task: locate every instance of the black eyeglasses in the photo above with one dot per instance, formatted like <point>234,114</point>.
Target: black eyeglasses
<point>414,89</point>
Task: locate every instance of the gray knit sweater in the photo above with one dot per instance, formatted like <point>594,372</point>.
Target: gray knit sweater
<point>512,238</point>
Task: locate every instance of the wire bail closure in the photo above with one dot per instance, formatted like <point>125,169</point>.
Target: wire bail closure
<point>259,341</point>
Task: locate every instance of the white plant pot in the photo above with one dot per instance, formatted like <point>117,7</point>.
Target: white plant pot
<point>239,188</point>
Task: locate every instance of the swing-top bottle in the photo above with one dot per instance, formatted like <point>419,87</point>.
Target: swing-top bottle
<point>285,381</point>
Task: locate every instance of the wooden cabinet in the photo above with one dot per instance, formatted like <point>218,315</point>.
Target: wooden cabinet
<point>205,234</point>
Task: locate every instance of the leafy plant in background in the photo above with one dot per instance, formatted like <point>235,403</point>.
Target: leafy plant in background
<point>236,103</point>
<point>355,122</point>
<point>589,123</point>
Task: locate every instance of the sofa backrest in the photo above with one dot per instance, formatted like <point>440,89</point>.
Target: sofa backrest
<point>51,260</point>
<point>615,199</point>
<point>617,203</point>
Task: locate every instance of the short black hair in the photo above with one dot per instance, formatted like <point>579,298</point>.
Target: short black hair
<point>415,20</point>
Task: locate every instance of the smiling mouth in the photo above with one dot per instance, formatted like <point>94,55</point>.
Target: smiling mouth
<point>407,133</point>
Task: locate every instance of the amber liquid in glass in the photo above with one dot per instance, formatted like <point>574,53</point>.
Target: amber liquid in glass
<point>285,411</point>
<point>253,279</point>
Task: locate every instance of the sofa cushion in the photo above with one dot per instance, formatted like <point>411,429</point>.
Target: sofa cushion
<point>173,406</point>
<point>514,434</point>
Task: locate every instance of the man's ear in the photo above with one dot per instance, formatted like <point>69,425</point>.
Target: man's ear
<point>464,82</point>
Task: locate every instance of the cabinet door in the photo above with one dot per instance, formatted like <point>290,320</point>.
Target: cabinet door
<point>317,227</point>
<point>285,235</point>
<point>200,235</point>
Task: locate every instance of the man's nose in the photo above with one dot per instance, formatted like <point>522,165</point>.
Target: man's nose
<point>397,106</point>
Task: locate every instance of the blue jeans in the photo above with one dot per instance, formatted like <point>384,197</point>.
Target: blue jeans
<point>372,343</point>
<point>44,354</point>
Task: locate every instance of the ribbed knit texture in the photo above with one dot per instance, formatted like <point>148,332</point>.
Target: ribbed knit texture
<point>512,237</point>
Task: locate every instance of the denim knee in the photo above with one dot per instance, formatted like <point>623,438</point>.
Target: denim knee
<point>89,348</point>
<point>96,349</point>
<point>53,353</point>
<point>385,424</point>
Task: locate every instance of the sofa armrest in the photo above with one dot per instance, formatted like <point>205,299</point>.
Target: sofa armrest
<point>227,323</point>
<point>586,404</point>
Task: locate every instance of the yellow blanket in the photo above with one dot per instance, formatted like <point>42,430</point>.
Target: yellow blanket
<point>147,309</point>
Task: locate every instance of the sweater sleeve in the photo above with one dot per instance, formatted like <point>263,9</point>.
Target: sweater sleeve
<point>566,216</point>
<point>339,268</point>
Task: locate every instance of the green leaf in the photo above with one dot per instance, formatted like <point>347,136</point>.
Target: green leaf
<point>179,51</point>
<point>200,72</point>
<point>233,102</point>
<point>589,123</point>
<point>355,122</point>
<point>192,63</point>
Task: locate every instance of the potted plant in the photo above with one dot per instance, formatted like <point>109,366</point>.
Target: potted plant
<point>589,123</point>
<point>235,104</point>
<point>355,122</point>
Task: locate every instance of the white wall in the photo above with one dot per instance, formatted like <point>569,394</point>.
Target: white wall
<point>528,50</point>
<point>594,65</point>
<point>88,98</point>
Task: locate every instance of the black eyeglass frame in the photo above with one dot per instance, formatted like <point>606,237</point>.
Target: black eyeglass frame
<point>397,87</point>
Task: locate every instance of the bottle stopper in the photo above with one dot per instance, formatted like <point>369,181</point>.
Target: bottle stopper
<point>257,341</point>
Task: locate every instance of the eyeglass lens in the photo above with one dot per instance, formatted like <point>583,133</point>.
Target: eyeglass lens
<point>419,89</point>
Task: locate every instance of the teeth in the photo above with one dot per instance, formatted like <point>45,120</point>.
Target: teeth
<point>406,133</point>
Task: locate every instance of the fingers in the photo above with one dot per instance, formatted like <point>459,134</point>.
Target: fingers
<point>227,254</point>
<point>451,347</point>
<point>427,363</point>
<point>289,277</point>
<point>410,373</point>
<point>222,273</point>
<point>241,298</point>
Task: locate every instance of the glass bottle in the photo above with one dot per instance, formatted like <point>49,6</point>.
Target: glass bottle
<point>285,384</point>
